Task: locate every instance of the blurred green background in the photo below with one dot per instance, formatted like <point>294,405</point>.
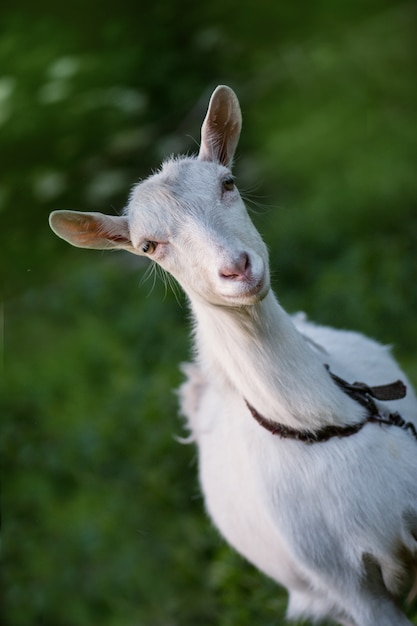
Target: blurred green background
<point>103,518</point>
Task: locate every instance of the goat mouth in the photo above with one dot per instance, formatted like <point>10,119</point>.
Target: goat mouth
<point>250,295</point>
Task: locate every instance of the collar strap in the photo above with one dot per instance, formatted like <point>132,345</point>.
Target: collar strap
<point>361,393</point>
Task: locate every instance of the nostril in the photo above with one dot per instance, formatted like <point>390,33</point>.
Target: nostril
<point>245,261</point>
<point>238,269</point>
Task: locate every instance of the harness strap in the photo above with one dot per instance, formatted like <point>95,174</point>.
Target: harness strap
<point>361,393</point>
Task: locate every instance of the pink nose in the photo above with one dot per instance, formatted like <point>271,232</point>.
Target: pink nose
<point>240,269</point>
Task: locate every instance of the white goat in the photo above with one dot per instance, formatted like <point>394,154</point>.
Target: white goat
<point>297,473</point>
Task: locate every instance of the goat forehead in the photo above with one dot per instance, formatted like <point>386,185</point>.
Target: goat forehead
<point>182,187</point>
<point>189,174</point>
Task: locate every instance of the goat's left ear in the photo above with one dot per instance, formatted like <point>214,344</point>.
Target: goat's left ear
<point>91,230</point>
<point>221,128</point>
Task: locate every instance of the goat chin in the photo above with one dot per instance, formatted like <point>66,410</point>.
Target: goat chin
<point>247,298</point>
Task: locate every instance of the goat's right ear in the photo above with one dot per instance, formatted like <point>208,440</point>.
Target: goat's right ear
<point>221,128</point>
<point>91,230</point>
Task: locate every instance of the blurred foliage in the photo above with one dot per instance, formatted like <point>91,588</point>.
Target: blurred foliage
<point>104,522</point>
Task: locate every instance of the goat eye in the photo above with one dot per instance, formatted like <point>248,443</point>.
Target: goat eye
<point>228,183</point>
<point>148,247</point>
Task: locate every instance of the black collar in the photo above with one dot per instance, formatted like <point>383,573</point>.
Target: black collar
<point>361,393</point>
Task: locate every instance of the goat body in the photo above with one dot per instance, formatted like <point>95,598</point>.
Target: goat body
<point>335,522</point>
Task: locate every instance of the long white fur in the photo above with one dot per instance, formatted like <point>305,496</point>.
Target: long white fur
<point>335,522</point>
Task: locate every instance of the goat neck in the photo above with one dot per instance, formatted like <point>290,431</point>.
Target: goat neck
<point>258,352</point>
